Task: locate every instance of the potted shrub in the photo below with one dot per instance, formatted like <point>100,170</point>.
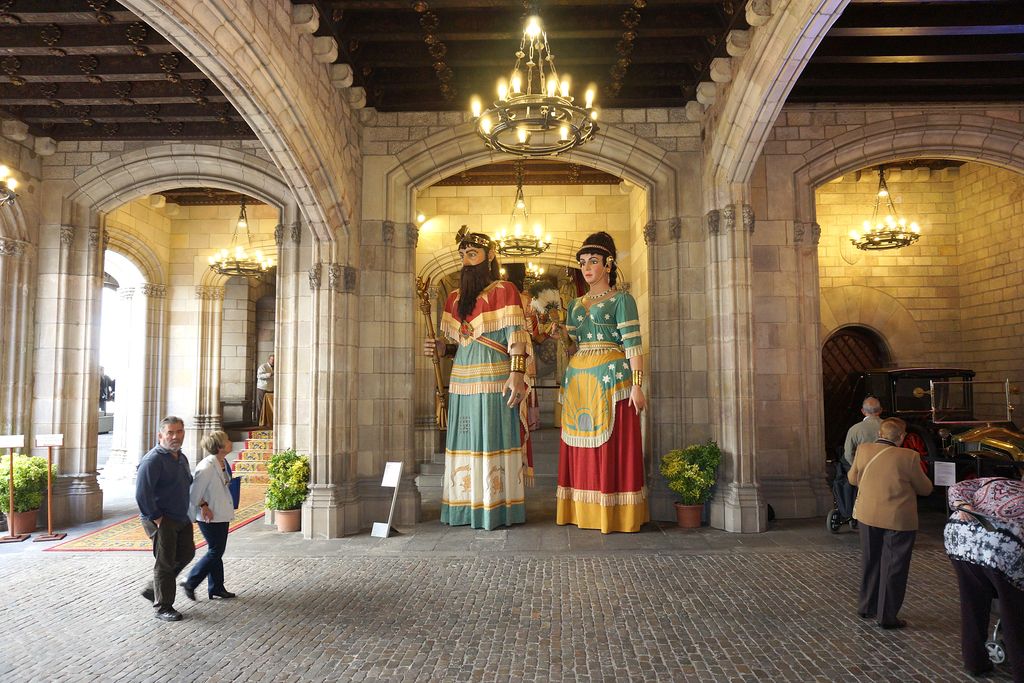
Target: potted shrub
<point>691,474</point>
<point>29,484</point>
<point>288,477</point>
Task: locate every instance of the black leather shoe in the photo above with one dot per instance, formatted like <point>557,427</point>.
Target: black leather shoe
<point>222,593</point>
<point>148,594</point>
<point>168,614</point>
<point>899,623</point>
<point>189,591</point>
<point>865,615</point>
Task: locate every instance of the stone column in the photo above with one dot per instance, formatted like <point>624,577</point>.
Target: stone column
<point>332,507</point>
<point>67,352</point>
<point>209,324</point>
<point>16,259</point>
<point>738,504</point>
<point>290,301</point>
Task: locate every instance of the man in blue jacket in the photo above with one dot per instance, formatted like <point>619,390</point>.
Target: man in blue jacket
<point>162,493</point>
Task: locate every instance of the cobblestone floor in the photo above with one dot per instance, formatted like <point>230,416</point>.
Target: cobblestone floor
<point>534,603</point>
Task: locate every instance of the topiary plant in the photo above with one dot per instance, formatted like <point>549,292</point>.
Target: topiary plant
<point>288,477</point>
<point>29,482</point>
<point>691,472</point>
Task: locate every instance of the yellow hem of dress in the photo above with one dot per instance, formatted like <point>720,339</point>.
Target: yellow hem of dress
<point>609,519</point>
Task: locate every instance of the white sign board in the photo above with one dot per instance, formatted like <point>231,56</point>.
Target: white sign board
<point>43,440</point>
<point>945,473</point>
<point>380,529</point>
<point>12,441</point>
<point>392,474</point>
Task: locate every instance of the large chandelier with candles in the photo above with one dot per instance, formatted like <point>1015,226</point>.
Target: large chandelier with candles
<point>514,240</point>
<point>8,184</point>
<point>236,259</point>
<point>891,231</point>
<point>534,115</point>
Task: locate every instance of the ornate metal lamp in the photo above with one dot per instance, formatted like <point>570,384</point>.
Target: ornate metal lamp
<point>513,241</point>
<point>8,184</point>
<point>890,232</point>
<point>236,259</point>
<point>534,115</point>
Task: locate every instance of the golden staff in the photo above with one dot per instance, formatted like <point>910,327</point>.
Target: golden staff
<point>440,397</point>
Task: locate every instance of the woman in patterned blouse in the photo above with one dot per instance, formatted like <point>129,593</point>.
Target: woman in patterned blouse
<point>989,565</point>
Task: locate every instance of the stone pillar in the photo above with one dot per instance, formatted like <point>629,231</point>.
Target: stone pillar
<point>332,507</point>
<point>291,348</point>
<point>738,504</point>
<point>209,324</point>
<point>16,257</point>
<point>67,352</point>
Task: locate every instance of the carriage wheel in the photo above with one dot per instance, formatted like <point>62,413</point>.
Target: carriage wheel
<point>833,521</point>
<point>996,653</point>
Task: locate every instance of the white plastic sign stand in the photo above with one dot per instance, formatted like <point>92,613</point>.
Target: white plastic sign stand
<point>44,440</point>
<point>392,477</point>
<point>12,441</point>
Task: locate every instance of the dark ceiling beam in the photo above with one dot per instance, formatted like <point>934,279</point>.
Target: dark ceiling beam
<point>897,72</point>
<point>917,45</point>
<point>917,59</point>
<point>167,111</point>
<point>377,5</point>
<point>147,131</point>
<point>102,92</point>
<point>972,30</point>
<point>882,83</point>
<point>113,65</point>
<point>905,95</point>
<point>575,34</point>
<point>78,39</point>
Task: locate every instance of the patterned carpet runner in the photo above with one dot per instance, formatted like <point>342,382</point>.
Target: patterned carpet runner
<point>127,534</point>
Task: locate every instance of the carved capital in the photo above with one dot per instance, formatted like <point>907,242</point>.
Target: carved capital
<point>154,291</point>
<point>729,218</point>
<point>349,278</point>
<point>412,235</point>
<point>126,293</point>
<point>314,277</point>
<point>748,218</point>
<point>11,247</point>
<point>278,235</point>
<point>387,232</point>
<point>296,231</point>
<point>713,218</point>
<point>67,234</point>
<point>94,237</point>
<point>650,233</point>
<point>209,293</point>
<point>333,276</point>
<point>815,233</point>
<point>806,230</point>
<point>675,228</point>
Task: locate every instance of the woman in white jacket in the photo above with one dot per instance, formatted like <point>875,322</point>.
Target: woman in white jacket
<point>214,508</point>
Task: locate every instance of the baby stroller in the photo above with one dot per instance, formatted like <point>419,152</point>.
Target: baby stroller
<point>994,645</point>
<point>844,494</point>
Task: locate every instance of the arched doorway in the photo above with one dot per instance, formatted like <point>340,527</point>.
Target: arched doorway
<point>844,356</point>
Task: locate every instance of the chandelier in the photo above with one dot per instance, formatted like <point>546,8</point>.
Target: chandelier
<point>512,241</point>
<point>534,270</point>
<point>534,115</point>
<point>236,260</point>
<point>889,232</point>
<point>8,184</point>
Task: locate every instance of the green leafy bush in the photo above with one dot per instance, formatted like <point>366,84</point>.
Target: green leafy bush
<point>288,474</point>
<point>29,482</point>
<point>691,472</point>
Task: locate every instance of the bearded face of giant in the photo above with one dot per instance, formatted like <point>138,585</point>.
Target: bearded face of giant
<point>478,271</point>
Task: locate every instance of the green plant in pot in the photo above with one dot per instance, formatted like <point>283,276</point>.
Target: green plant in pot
<point>29,488</point>
<point>691,474</point>
<point>288,479</point>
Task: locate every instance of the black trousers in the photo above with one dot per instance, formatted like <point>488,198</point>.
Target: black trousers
<point>885,566</point>
<point>979,586</point>
<point>174,546</point>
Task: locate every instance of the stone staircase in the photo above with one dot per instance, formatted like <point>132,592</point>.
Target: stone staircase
<point>251,464</point>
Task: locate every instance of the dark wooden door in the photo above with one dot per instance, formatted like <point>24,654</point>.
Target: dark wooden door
<point>845,355</point>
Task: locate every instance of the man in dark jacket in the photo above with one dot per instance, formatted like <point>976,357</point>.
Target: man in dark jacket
<point>162,493</point>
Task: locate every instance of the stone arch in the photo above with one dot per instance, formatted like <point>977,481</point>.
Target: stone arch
<point>447,261</point>
<point>133,247</point>
<point>264,65</point>
<point>448,152</point>
<point>968,137</point>
<point>879,312</point>
<point>14,223</point>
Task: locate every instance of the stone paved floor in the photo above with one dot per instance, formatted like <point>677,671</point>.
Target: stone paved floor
<point>533,603</point>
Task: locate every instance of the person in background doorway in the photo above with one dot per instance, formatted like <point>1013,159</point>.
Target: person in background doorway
<point>890,481</point>
<point>865,431</point>
<point>989,564</point>
<point>106,390</point>
<point>211,499</point>
<point>265,386</point>
<point>162,493</point>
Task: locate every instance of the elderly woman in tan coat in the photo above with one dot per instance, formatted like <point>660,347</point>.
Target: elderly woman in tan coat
<point>890,480</point>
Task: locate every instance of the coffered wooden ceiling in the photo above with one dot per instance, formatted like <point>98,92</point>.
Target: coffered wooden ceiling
<point>89,69</point>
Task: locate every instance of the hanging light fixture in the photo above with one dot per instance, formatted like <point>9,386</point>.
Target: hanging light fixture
<point>514,240</point>
<point>236,260</point>
<point>534,270</point>
<point>535,115</point>
<point>889,232</point>
<point>8,184</point>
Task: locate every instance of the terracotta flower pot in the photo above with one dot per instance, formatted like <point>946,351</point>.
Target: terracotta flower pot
<point>288,520</point>
<point>25,522</point>
<point>688,516</point>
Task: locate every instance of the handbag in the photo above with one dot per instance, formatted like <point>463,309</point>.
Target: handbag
<point>234,486</point>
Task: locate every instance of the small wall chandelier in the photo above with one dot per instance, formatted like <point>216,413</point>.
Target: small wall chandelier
<point>534,115</point>
<point>513,241</point>
<point>236,259</point>
<point>8,184</point>
<point>890,232</point>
